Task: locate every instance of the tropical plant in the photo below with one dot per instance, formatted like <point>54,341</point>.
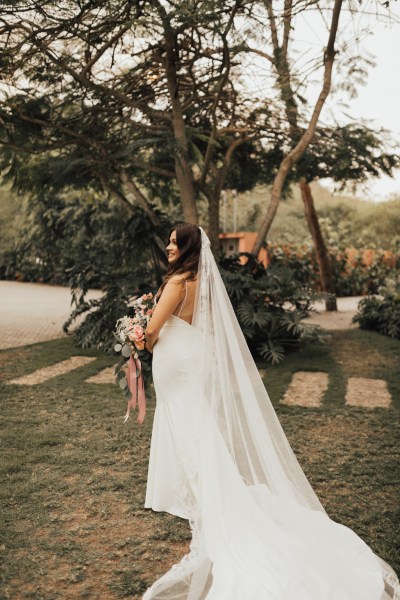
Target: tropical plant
<point>381,313</point>
<point>90,242</point>
<point>270,305</point>
<point>63,234</point>
<point>135,266</point>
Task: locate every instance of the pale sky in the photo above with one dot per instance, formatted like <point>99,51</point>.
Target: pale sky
<point>379,100</point>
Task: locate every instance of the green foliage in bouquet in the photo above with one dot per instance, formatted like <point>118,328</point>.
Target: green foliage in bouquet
<point>135,360</point>
<point>381,313</point>
<point>270,305</point>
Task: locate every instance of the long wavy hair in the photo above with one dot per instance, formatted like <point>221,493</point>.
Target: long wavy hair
<point>188,240</point>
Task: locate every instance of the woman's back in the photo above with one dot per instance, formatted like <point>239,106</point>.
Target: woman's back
<point>186,307</point>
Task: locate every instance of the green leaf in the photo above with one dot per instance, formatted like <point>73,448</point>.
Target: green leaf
<point>126,351</point>
<point>123,382</point>
<point>120,364</point>
<point>120,376</point>
<point>127,393</point>
<point>273,353</point>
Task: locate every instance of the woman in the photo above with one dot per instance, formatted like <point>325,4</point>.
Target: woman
<point>171,328</point>
<point>220,458</point>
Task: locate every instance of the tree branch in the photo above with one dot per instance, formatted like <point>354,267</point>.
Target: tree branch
<point>272,24</point>
<point>183,169</point>
<point>227,162</point>
<point>259,52</point>
<point>104,48</point>
<point>287,19</point>
<point>139,197</point>
<point>85,81</point>
<point>223,79</point>
<point>293,156</point>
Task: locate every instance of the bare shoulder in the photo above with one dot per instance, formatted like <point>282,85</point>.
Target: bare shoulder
<point>192,283</point>
<point>176,280</point>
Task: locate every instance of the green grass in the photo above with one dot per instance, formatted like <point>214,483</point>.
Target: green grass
<point>73,476</point>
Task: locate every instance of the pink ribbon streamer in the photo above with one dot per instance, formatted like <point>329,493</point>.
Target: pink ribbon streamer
<point>136,388</point>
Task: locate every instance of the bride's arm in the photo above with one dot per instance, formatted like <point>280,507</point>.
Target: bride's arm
<point>166,305</point>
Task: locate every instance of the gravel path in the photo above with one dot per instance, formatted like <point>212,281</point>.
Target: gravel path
<point>33,312</point>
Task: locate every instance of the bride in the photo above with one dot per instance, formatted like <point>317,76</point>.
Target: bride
<point>220,459</point>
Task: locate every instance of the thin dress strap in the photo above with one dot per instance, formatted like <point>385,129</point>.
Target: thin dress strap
<point>184,300</point>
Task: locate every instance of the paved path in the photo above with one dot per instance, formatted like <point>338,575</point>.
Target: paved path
<point>307,388</point>
<point>340,319</point>
<point>33,312</point>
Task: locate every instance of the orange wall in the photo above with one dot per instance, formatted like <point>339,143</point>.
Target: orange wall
<point>245,241</point>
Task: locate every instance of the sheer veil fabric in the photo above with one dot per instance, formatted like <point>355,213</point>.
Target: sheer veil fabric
<point>259,531</point>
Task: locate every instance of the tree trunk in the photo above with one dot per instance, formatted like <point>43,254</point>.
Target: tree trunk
<point>183,169</point>
<point>324,263</point>
<point>213,192</point>
<point>213,223</point>
<point>296,153</point>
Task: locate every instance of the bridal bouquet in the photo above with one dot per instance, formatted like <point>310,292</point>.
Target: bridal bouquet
<point>129,333</point>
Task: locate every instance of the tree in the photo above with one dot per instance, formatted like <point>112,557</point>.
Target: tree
<point>136,99</point>
<point>148,101</point>
<point>302,140</point>
<point>297,136</point>
<point>347,155</point>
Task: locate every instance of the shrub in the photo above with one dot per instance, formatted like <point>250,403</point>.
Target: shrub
<point>381,313</point>
<point>270,305</point>
<point>93,235</point>
<point>131,264</point>
<point>355,272</point>
<point>85,243</point>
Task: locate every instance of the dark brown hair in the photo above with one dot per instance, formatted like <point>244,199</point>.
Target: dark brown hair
<point>188,240</point>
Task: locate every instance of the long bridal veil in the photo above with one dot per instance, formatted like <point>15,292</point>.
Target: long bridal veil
<point>259,530</point>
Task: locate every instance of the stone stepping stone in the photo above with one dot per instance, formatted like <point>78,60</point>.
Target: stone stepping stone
<point>59,368</point>
<point>367,393</point>
<point>307,388</point>
<point>104,376</point>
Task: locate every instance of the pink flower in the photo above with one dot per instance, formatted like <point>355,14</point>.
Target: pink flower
<point>138,332</point>
<point>150,311</point>
<point>137,337</point>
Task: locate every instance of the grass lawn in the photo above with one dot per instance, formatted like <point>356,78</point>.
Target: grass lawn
<point>73,475</point>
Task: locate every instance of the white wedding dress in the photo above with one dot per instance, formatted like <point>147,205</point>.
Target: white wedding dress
<point>220,458</point>
<point>173,427</point>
